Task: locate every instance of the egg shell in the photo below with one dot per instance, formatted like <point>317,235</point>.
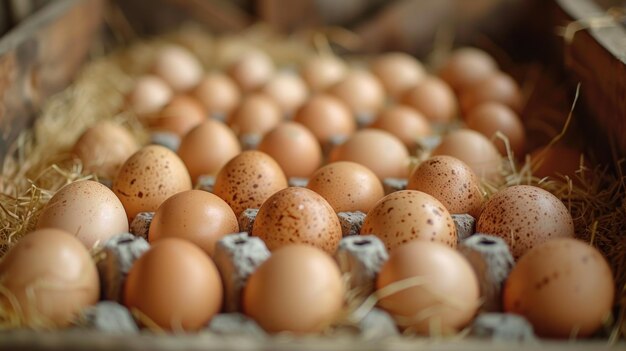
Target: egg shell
<point>51,277</point>
<point>326,117</point>
<point>86,209</point>
<point>322,72</point>
<point>256,114</point>
<point>408,215</point>
<point>525,216</point>
<point>297,215</point>
<point>218,93</point>
<point>563,287</point>
<point>288,90</point>
<point>467,66</point>
<point>398,72</point>
<point>361,91</point>
<point>434,99</point>
<point>180,115</point>
<point>406,123</point>
<point>498,87</point>
<point>492,117</point>
<point>251,70</point>
<point>178,67</point>
<point>149,95</point>
<point>298,289</point>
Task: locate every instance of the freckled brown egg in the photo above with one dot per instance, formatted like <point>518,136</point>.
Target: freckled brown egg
<point>195,215</point>
<point>297,215</point>
<point>249,179</point>
<point>174,284</point>
<point>408,215</point>
<point>179,116</point>
<point>398,72</point>
<point>104,147</point>
<point>178,67</point>
<point>50,276</point>
<point>557,160</point>
<point>298,289</point>
<point>206,148</point>
<point>252,70</point>
<point>326,116</point>
<point>149,95</point>
<point>87,210</point>
<point>563,287</point>
<point>294,148</point>
<point>446,296</point>
<point>256,114</point>
<point>361,91</point>
<point>322,72</point>
<point>498,87</point>
<point>404,122</point>
<point>467,66</point>
<point>218,93</point>
<point>347,186</point>
<point>288,90</point>
<point>450,181</point>
<point>492,117</point>
<point>377,150</point>
<point>474,149</point>
<point>148,177</point>
<point>525,216</point>
<point>433,98</point>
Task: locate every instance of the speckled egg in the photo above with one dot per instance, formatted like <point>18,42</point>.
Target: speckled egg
<point>398,72</point>
<point>407,215</point>
<point>525,216</point>
<point>326,117</point>
<point>256,114</point>
<point>361,91</point>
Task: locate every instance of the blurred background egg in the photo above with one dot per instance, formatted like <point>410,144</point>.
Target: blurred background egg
<point>498,87</point>
<point>322,72</point>
<point>492,117</point>
<point>361,91</point>
<point>326,117</point>
<point>398,72</point>
<point>256,114</point>
<point>288,90</point>
<point>467,66</point>
<point>149,95</point>
<point>251,70</point>
<point>178,67</point>
<point>218,93</point>
<point>180,115</point>
<point>434,99</point>
<point>406,123</point>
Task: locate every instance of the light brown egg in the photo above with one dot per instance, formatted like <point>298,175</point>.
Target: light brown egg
<point>249,179</point>
<point>398,72</point>
<point>557,161</point>
<point>361,91</point>
<point>326,116</point>
<point>86,209</point>
<point>498,87</point>
<point>288,90</point>
<point>149,95</point>
<point>475,150</point>
<point>218,93</point>
<point>563,287</point>
<point>298,289</point>
<point>178,67</point>
<point>377,150</point>
<point>322,72</point>
<point>148,177</point>
<point>103,148</point>
<point>434,99</point>
<point>252,70</point>
<point>408,215</point>
<point>297,215</point>
<point>347,186</point>
<point>450,181</point>
<point>207,148</point>
<point>525,216</point>
<point>51,278</point>
<point>294,148</point>
<point>492,117</point>
<point>174,284</point>
<point>179,116</point>
<point>467,66</point>
<point>406,123</point>
<point>256,114</point>
<point>445,297</point>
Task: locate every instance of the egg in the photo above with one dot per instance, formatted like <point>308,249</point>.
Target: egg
<point>103,148</point>
<point>207,148</point>
<point>86,209</point>
<point>178,117</point>
<point>256,114</point>
<point>297,215</point>
<point>326,117</point>
<point>557,161</point>
<point>450,181</point>
<point>294,148</point>
<point>298,289</point>
<point>322,72</point>
<point>377,150</point>
<point>563,287</point>
<point>406,123</point>
<point>525,216</point>
<point>175,285</point>
<point>361,91</point>
<point>148,177</point>
<point>434,99</point>
<point>347,186</point>
<point>498,87</point>
<point>50,277</point>
<point>178,67</point>
<point>218,93</point>
<point>492,117</point>
<point>251,70</point>
<point>248,179</point>
<point>408,215</point>
<point>467,66</point>
<point>398,72</point>
<point>288,90</point>
<point>149,95</point>
<point>442,293</point>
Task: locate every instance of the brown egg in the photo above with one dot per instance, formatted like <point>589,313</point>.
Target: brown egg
<point>498,87</point>
<point>467,66</point>
<point>475,150</point>
<point>207,148</point>
<point>179,116</point>
<point>148,177</point>
<point>104,147</point>
<point>218,93</point>
<point>377,150</point>
<point>347,186</point>
<point>445,295</point>
<point>249,179</point>
<point>408,215</point>
<point>450,181</point>
<point>563,287</point>
<point>361,91</point>
<point>299,289</point>
<point>525,216</point>
<point>252,70</point>
<point>398,72</point>
<point>434,99</point>
<point>86,209</point>
<point>149,95</point>
<point>294,148</point>
<point>257,114</point>
<point>178,67</point>
<point>297,215</point>
<point>492,117</point>
<point>322,72</point>
<point>50,276</point>
<point>288,90</point>
<point>404,122</point>
<point>326,116</point>
<point>175,285</point>
<point>557,161</point>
